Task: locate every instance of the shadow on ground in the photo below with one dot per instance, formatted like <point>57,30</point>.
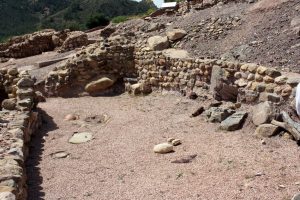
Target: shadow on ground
<point>36,148</point>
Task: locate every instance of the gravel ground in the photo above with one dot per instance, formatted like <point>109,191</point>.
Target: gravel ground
<point>119,162</point>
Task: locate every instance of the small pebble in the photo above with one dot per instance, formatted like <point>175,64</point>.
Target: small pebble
<point>176,142</point>
<point>71,117</point>
<point>170,140</point>
<point>263,142</point>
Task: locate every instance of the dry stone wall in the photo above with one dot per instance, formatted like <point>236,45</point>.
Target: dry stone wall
<point>118,57</point>
<point>18,121</point>
<point>112,57</point>
<point>164,72</point>
<point>42,41</point>
<point>187,5</point>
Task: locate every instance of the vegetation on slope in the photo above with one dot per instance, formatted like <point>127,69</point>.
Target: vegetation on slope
<point>23,16</point>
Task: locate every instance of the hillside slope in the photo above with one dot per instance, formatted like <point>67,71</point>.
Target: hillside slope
<point>19,16</point>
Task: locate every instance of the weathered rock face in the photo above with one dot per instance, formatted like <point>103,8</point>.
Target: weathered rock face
<point>176,34</point>
<point>234,122</point>
<point>100,85</point>
<point>158,43</point>
<point>263,113</point>
<point>266,130</point>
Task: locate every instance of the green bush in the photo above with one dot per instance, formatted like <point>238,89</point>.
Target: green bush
<point>97,20</point>
<point>119,19</point>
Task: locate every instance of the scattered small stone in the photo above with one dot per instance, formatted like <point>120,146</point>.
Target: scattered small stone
<point>259,174</point>
<point>215,104</point>
<point>176,142</point>
<point>288,136</point>
<point>237,105</point>
<point>163,148</point>
<point>170,140</point>
<point>186,159</point>
<point>192,95</point>
<point>97,119</point>
<point>79,138</point>
<point>60,154</point>
<point>198,112</point>
<point>71,117</point>
<point>263,142</point>
<point>281,186</point>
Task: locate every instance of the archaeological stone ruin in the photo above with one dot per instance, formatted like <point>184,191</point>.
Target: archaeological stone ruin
<point>119,62</point>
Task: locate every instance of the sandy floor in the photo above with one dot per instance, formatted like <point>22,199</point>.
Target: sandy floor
<point>119,162</point>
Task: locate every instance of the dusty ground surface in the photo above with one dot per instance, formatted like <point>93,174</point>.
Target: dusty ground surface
<point>119,162</point>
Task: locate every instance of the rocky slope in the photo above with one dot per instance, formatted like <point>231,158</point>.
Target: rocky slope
<point>265,32</point>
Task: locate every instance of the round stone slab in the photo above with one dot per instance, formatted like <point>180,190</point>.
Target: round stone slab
<point>79,138</point>
<point>60,154</point>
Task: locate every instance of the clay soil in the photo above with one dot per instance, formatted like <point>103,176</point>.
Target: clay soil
<point>119,163</point>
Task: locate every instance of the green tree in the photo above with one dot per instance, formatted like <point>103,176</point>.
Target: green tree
<point>97,20</point>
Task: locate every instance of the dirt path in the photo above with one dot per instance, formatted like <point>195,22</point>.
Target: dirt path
<point>119,162</point>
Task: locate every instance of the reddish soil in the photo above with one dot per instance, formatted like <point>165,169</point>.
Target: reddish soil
<point>119,163</point>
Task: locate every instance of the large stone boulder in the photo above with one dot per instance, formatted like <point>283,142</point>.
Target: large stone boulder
<point>99,85</point>
<point>158,43</point>
<point>263,113</point>
<point>176,34</point>
<point>234,122</point>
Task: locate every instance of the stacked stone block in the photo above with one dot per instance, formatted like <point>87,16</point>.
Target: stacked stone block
<point>109,57</point>
<point>17,123</point>
<point>74,40</point>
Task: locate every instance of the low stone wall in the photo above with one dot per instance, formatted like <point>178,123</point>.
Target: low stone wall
<point>161,70</point>
<point>164,72</point>
<point>74,40</point>
<point>112,57</point>
<point>185,6</point>
<point>18,122</point>
<point>42,41</point>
